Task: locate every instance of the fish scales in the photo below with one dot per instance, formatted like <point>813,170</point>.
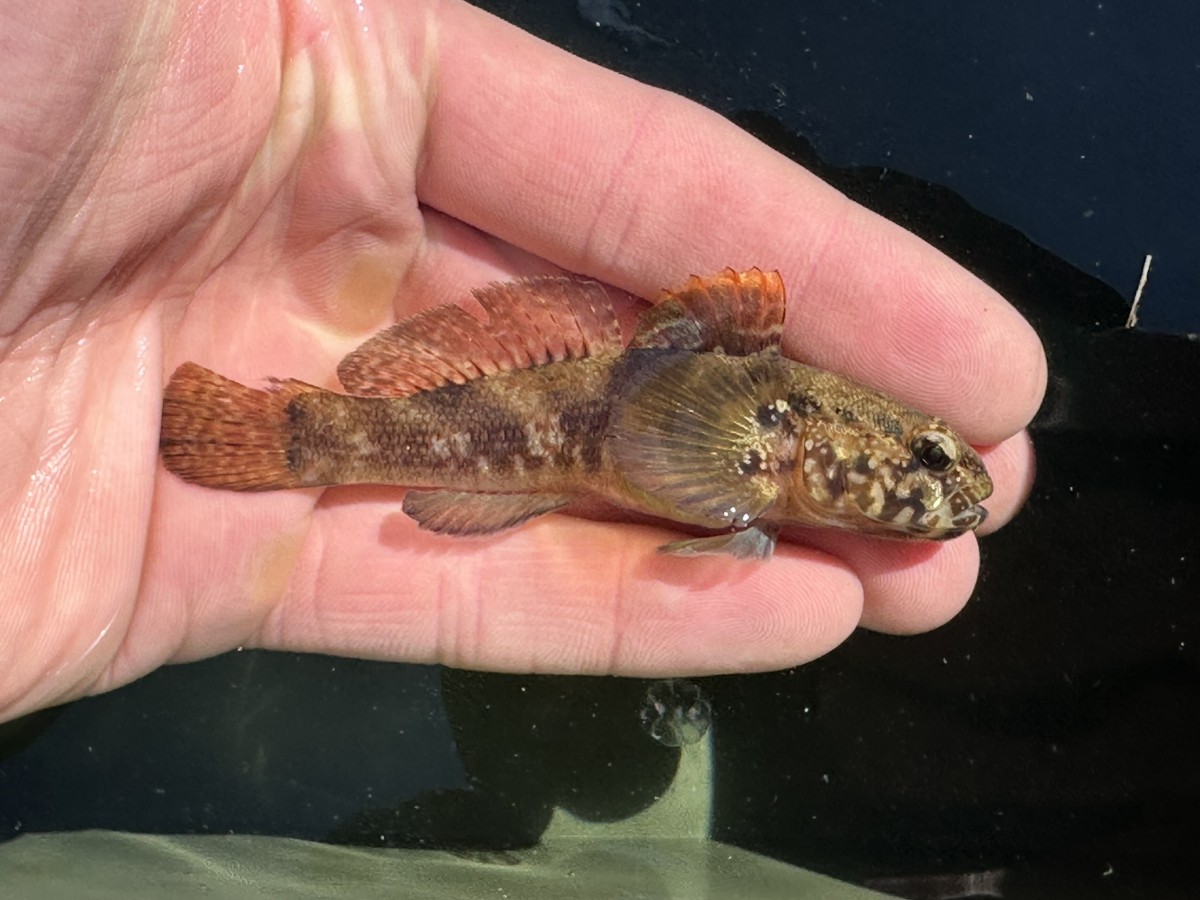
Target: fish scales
<point>525,430</point>
<point>700,421</point>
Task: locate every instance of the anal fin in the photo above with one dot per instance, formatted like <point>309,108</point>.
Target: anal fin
<point>757,542</point>
<point>464,513</point>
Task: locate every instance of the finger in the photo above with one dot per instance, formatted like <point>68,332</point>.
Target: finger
<point>640,187</point>
<point>457,258</point>
<point>1011,465</point>
<point>559,595</point>
<point>907,587</point>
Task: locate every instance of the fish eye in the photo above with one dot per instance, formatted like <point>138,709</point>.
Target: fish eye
<point>934,451</point>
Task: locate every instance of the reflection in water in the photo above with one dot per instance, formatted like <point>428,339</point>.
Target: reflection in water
<point>942,887</point>
<point>615,16</point>
<point>676,712</point>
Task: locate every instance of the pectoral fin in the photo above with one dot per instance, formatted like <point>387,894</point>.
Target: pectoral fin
<point>751,543</point>
<point>738,313</point>
<point>686,436</point>
<point>465,513</point>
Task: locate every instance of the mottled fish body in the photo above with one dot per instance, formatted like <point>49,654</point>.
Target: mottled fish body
<point>700,420</point>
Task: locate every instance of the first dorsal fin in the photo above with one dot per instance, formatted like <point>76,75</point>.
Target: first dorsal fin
<point>737,313</point>
<point>530,322</point>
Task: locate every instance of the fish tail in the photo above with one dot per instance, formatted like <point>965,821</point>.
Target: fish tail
<point>221,434</point>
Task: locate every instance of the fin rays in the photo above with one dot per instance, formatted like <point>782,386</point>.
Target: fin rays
<point>687,435</point>
<point>465,513</point>
<point>530,322</point>
<point>738,313</point>
<point>218,433</point>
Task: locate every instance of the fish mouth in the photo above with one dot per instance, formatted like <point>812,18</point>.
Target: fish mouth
<point>970,518</point>
<point>959,524</point>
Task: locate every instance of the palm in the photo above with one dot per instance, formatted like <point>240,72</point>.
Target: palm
<point>277,262</point>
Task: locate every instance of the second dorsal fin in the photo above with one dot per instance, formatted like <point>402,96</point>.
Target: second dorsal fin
<point>530,322</point>
<point>737,313</point>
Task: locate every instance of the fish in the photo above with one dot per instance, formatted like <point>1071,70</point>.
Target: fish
<point>700,421</point>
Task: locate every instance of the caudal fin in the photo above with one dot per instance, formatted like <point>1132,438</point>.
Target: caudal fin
<point>221,434</point>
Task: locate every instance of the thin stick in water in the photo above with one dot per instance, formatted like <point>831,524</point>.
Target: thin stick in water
<point>1131,322</point>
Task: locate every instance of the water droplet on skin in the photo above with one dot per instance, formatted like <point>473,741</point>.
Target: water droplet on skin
<point>676,712</point>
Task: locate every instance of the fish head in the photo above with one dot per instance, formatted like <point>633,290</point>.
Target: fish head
<point>867,463</point>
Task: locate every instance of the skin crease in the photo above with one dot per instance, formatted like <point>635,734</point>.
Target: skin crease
<point>259,189</point>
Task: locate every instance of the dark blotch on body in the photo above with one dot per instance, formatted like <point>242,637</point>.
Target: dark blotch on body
<point>583,428</point>
<point>768,415</point>
<point>492,433</point>
<point>888,425</point>
<point>751,464</point>
<point>803,404</point>
<point>632,368</point>
<point>447,399</point>
<point>295,417</point>
<point>500,440</point>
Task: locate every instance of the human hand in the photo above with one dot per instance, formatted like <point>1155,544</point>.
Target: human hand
<point>258,190</point>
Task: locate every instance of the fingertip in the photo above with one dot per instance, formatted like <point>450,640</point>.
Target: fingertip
<point>1013,467</point>
<point>713,615</point>
<point>923,597</point>
<point>887,307</point>
<point>562,595</point>
<point>908,588</point>
<point>1000,366</point>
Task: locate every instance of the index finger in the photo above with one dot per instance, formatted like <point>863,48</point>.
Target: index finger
<point>640,188</point>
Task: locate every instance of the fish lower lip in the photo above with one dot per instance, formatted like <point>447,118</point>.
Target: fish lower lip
<point>972,517</point>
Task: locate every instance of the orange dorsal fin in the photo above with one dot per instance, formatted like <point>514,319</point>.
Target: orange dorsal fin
<point>531,321</point>
<point>738,313</point>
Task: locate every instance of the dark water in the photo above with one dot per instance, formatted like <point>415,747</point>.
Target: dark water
<point>1075,123</point>
<point>1050,733</point>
